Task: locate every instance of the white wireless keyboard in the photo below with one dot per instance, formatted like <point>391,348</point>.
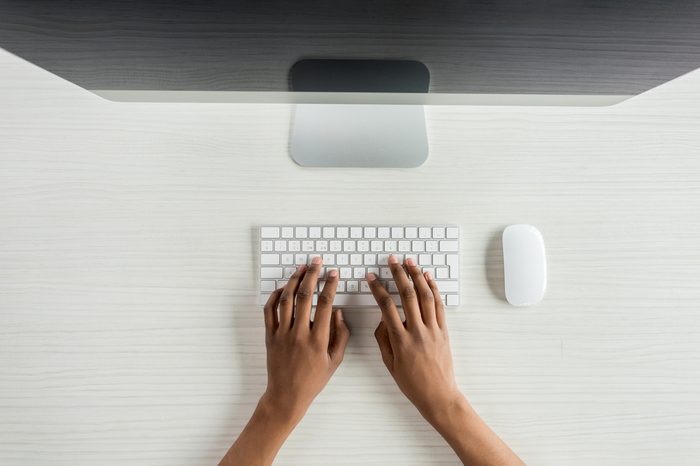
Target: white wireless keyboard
<point>355,250</point>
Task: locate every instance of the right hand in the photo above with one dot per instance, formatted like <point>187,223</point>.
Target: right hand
<point>416,352</point>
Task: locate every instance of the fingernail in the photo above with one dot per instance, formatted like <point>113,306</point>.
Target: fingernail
<point>393,259</point>
<point>316,260</point>
<point>371,277</point>
<point>428,276</point>
<point>410,261</point>
<point>333,273</point>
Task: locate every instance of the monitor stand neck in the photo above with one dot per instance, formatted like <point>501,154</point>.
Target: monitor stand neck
<point>359,135</point>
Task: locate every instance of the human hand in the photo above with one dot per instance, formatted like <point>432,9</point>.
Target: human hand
<point>416,352</point>
<point>302,355</point>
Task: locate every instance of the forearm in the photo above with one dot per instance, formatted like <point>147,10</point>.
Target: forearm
<point>263,436</point>
<point>469,436</point>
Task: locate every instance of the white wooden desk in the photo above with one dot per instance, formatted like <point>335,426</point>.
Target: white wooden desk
<point>129,333</point>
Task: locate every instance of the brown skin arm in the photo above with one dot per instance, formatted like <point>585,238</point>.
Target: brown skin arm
<point>418,350</point>
<point>301,358</point>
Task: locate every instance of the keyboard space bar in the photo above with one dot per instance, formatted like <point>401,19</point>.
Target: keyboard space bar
<point>359,300</point>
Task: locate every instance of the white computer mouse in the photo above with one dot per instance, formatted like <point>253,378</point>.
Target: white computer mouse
<point>524,265</point>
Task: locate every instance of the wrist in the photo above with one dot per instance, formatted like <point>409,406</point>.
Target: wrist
<point>281,410</point>
<point>444,414</point>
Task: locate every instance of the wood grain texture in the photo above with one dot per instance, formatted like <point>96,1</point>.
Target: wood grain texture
<point>129,332</point>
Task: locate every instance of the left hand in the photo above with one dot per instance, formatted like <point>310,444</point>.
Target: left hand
<point>302,355</point>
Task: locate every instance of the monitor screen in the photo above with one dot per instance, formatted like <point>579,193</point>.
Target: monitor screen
<point>566,47</point>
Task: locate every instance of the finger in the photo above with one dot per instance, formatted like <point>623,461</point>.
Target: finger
<point>287,298</point>
<point>324,308</point>
<point>341,335</point>
<point>270,312</point>
<point>408,294</point>
<point>439,306</point>
<point>305,295</point>
<point>382,336</point>
<point>425,294</point>
<point>390,314</point>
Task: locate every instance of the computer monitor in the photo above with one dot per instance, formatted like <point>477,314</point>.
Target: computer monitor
<point>513,52</point>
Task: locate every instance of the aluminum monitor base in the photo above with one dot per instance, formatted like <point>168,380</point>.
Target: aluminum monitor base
<point>337,135</point>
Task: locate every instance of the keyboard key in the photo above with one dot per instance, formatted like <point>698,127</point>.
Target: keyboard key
<point>268,286</point>
<point>314,232</point>
<point>342,232</point>
<point>300,259</point>
<point>438,232</point>
<point>418,246</point>
<point>328,232</point>
<point>424,259</point>
<point>442,272</point>
<point>438,259</point>
<point>370,232</point>
<point>382,259</point>
<point>370,259</point>
<point>266,246</point>
<point>431,246</point>
<point>355,299</point>
<point>452,232</point>
<point>424,232</point>
<point>269,259</point>
<point>363,246</point>
<point>376,246</point>
<point>336,246</point>
<point>329,259</point>
<point>390,246</point>
<point>448,286</point>
<point>358,272</point>
<point>452,300</point>
<point>453,262</point>
<point>301,232</point>
<point>288,271</point>
<point>280,245</point>
<point>355,232</point>
<point>364,287</point>
<point>351,286</point>
<point>384,272</point>
<point>294,246</point>
<point>356,259</point>
<point>271,272</point>
<point>449,246</point>
<point>342,259</point>
<point>374,270</point>
<point>287,259</point>
<point>397,232</point>
<point>404,246</point>
<point>383,232</point>
<point>345,272</point>
<point>287,232</point>
<point>349,246</point>
<point>307,246</point>
<point>322,246</point>
<point>411,232</point>
<point>341,287</point>
<point>269,232</point>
